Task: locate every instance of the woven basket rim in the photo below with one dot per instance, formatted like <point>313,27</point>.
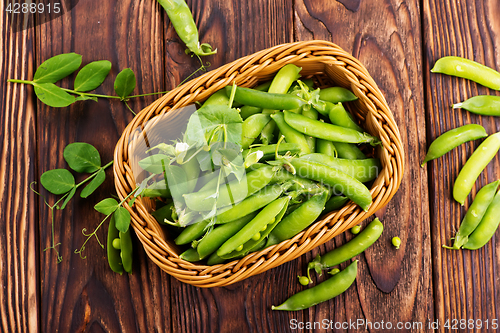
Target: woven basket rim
<point>244,71</point>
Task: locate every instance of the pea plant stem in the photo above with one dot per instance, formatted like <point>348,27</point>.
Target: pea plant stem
<point>89,94</point>
<point>94,233</point>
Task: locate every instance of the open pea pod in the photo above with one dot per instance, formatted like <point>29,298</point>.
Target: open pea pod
<point>257,229</point>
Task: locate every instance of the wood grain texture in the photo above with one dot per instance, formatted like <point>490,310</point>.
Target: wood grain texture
<point>84,294</point>
<point>19,298</point>
<point>466,283</point>
<point>390,50</point>
<point>418,283</point>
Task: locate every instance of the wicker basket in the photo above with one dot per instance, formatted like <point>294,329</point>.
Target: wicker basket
<point>329,65</point>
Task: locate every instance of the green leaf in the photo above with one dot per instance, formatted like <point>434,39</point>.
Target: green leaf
<point>86,98</point>
<point>82,157</point>
<point>94,184</point>
<point>57,181</point>
<point>214,117</point>
<point>92,75</point>
<point>68,198</point>
<point>154,163</point>
<point>131,202</point>
<point>125,83</point>
<point>122,219</point>
<point>52,95</point>
<point>58,67</point>
<point>107,206</point>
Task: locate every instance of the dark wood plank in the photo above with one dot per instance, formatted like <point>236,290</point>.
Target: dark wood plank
<point>19,300</point>
<point>392,285</point>
<point>465,282</point>
<point>84,294</point>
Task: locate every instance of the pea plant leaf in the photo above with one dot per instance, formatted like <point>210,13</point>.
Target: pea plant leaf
<point>122,219</point>
<point>52,95</point>
<point>82,157</point>
<point>57,67</point>
<point>92,75</point>
<point>107,206</point>
<point>58,181</point>
<point>125,83</point>
<point>155,163</point>
<point>94,184</point>
<point>211,118</point>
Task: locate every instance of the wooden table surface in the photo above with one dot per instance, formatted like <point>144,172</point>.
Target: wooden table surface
<point>397,41</point>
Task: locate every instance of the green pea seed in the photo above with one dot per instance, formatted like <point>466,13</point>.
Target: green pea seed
<point>334,271</point>
<point>396,242</point>
<point>303,280</point>
<point>264,228</point>
<point>356,229</point>
<point>256,237</point>
<point>239,248</point>
<point>117,243</point>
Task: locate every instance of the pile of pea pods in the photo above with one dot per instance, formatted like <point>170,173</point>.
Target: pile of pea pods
<point>483,216</point>
<point>302,159</point>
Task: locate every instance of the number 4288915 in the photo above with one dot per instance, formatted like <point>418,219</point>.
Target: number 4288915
<point>32,8</point>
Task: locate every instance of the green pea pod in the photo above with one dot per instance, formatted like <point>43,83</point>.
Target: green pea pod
<point>232,192</point>
<point>217,98</point>
<point>212,241</point>
<point>114,260</point>
<point>269,151</point>
<point>336,95</point>
<point>247,111</point>
<point>487,227</point>
<point>468,69</point>
<point>267,217</point>
<point>214,259</point>
<point>349,151</point>
<point>282,81</point>
<point>474,166</point>
<point>310,113</point>
<point>190,255</point>
<point>164,213</point>
<point>280,84</point>
<point>474,214</point>
<point>326,147</point>
<point>126,250</point>
<point>262,99</point>
<point>452,139</point>
<point>291,135</point>
<point>339,116</point>
<point>251,204</point>
<point>192,232</point>
<point>326,131</point>
<point>252,128</point>
<point>181,18</point>
<point>485,105</point>
<point>363,170</point>
<point>299,219</point>
<point>335,203</point>
<point>350,249</point>
<point>297,183</point>
<point>338,180</point>
<point>322,292</point>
